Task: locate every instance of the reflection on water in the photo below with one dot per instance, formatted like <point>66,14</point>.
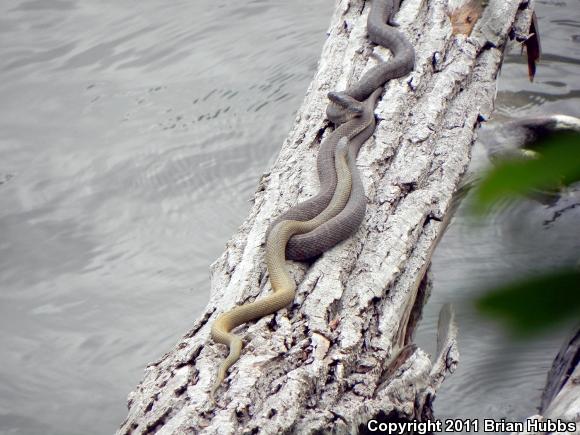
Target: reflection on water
<point>133,135</point>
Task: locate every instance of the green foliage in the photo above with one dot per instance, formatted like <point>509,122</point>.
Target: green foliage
<point>533,304</point>
<point>556,164</point>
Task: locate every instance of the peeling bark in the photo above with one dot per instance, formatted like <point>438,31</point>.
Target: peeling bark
<point>343,352</point>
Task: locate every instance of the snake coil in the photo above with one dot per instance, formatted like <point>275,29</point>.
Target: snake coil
<point>334,214</point>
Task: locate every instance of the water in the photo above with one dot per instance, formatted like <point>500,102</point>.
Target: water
<point>132,136</point>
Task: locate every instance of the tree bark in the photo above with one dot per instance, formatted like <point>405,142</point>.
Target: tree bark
<point>564,381</point>
<point>561,396</point>
<point>342,353</point>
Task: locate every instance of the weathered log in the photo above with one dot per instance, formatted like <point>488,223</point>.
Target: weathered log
<point>564,381</point>
<point>561,396</point>
<point>342,353</point>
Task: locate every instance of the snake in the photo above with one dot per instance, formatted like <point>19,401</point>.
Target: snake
<point>334,214</point>
<point>283,285</point>
<point>314,243</point>
<point>358,129</point>
<point>382,32</point>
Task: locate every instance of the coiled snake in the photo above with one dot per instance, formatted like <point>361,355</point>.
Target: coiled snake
<point>282,283</point>
<point>334,214</point>
<point>342,226</point>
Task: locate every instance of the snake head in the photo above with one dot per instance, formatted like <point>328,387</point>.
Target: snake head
<point>343,107</point>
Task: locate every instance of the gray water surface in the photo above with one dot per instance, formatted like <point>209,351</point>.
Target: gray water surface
<point>132,136</point>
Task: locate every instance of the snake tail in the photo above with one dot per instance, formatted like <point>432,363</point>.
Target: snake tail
<point>283,285</point>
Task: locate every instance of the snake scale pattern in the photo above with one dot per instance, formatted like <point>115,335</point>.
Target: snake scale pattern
<point>310,228</point>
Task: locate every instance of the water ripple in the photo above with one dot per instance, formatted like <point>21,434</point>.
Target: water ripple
<point>132,137</point>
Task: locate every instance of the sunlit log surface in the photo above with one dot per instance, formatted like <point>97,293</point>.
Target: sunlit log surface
<point>342,353</point>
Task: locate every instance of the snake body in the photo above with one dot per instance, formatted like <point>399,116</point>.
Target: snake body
<point>282,283</point>
<point>312,244</point>
<point>381,33</point>
<point>334,214</point>
<point>329,233</point>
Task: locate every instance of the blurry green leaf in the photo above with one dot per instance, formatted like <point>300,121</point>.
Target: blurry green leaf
<point>557,164</point>
<point>535,303</point>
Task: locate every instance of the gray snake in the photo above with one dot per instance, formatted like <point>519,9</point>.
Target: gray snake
<point>283,285</point>
<point>335,213</point>
<point>342,226</point>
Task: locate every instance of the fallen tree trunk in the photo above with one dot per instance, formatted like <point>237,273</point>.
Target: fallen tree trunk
<point>342,353</point>
<point>561,396</point>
